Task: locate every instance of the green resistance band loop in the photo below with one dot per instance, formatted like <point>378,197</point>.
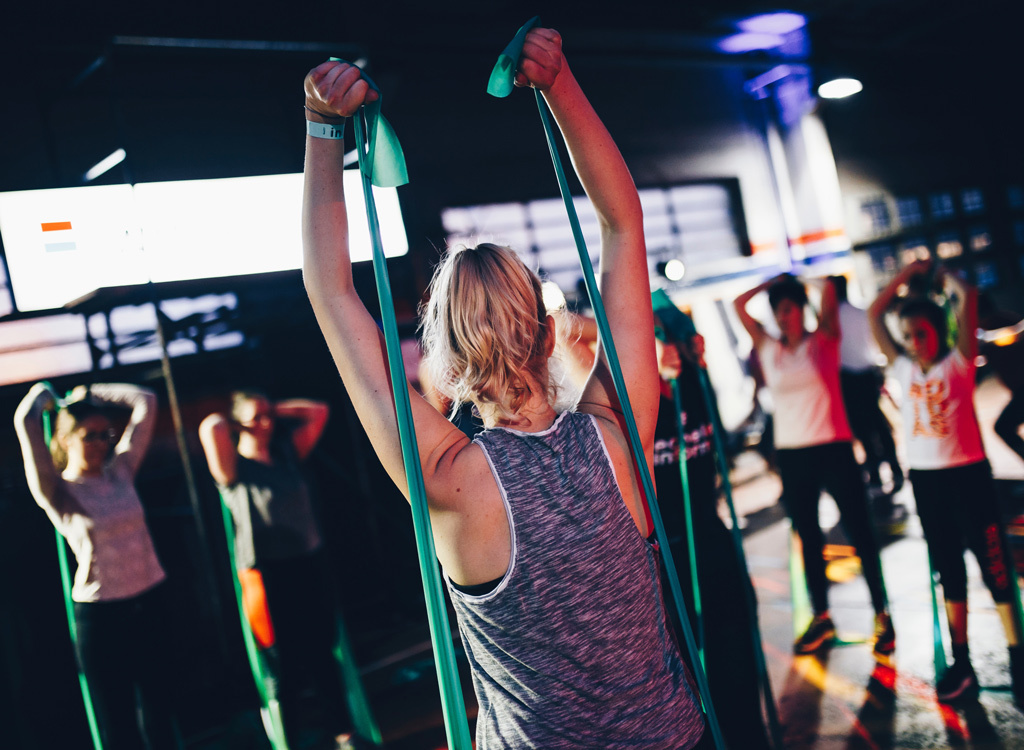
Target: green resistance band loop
<point>684,475</point>
<point>452,702</point>
<point>774,725</point>
<point>271,708</point>
<point>69,605</point>
<point>620,390</point>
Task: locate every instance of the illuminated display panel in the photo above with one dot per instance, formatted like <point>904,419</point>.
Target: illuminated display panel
<point>243,225</point>
<point>63,243</point>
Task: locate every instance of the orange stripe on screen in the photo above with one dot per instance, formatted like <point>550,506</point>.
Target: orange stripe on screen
<point>55,226</point>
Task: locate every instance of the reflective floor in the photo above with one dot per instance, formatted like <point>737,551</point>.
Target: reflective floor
<point>845,699</point>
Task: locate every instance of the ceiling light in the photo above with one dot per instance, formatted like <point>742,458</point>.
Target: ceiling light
<point>773,23</point>
<point>748,42</point>
<point>104,165</point>
<point>839,88</point>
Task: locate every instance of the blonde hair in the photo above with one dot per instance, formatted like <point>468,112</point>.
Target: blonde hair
<point>485,331</point>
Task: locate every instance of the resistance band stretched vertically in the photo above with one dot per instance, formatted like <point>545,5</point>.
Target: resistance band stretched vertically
<point>69,606</point>
<point>774,726</point>
<point>691,541</point>
<point>382,163</point>
<point>500,84</point>
<point>270,708</point>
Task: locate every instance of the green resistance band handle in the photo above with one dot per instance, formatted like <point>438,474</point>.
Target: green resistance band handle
<point>684,475</point>
<point>452,702</point>
<point>272,719</point>
<point>69,605</point>
<point>504,68</point>
<point>774,725</point>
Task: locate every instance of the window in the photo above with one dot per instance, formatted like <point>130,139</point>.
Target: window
<point>972,201</point>
<point>876,216</point>
<point>979,239</point>
<point>909,212</point>
<point>940,206</point>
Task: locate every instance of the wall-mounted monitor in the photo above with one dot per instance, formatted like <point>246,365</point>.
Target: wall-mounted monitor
<point>63,243</point>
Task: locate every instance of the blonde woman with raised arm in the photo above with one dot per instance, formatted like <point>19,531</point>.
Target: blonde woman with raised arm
<point>539,522</point>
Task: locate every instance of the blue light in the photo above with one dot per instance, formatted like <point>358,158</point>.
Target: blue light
<point>773,23</point>
<point>748,42</point>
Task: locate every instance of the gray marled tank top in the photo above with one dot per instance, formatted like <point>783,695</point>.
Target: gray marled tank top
<point>571,649</point>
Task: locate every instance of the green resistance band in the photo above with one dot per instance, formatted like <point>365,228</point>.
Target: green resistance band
<point>502,80</point>
<point>802,614</point>
<point>684,475</point>
<point>355,695</point>
<point>774,725</point>
<point>270,707</point>
<point>939,654</point>
<point>382,163</point>
<point>69,606</point>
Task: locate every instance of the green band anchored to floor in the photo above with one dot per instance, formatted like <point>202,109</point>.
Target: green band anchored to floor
<point>767,694</point>
<point>502,80</point>
<point>691,542</point>
<point>69,605</point>
<point>270,709</point>
<point>378,148</point>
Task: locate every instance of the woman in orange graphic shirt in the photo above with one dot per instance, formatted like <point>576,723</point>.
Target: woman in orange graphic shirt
<point>951,477</point>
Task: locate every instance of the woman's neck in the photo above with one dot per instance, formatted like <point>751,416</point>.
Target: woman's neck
<point>77,470</point>
<point>536,415</point>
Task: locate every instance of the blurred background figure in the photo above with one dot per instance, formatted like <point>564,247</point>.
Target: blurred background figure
<point>814,449</point>
<point>1003,348</point>
<point>861,379</point>
<point>728,647</point>
<point>85,481</point>
<point>254,455</point>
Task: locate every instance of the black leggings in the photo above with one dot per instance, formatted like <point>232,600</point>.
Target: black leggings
<point>958,511</point>
<point>805,472</point>
<point>123,647</point>
<point>303,614</point>
<point>861,391</point>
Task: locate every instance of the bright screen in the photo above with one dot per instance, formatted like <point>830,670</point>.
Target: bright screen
<point>63,243</point>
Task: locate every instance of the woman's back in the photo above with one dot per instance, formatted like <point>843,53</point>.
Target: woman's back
<point>571,649</point>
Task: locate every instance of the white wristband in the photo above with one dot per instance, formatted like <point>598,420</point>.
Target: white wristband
<point>326,130</point>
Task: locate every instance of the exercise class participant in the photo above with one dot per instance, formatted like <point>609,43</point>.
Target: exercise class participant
<point>814,449</point>
<point>861,383</point>
<point>1005,356</point>
<point>255,462</point>
<point>951,477</point>
<point>729,655</point>
<point>85,481</point>
<point>539,522</point>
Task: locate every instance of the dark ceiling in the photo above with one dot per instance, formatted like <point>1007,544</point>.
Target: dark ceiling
<point>58,117</point>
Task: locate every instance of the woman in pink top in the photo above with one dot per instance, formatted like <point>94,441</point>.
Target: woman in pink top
<point>952,479</point>
<point>814,448</point>
<point>84,479</point>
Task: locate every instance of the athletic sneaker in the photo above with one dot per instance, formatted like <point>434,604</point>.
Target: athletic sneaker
<point>821,632</point>
<point>885,636</point>
<point>959,682</point>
